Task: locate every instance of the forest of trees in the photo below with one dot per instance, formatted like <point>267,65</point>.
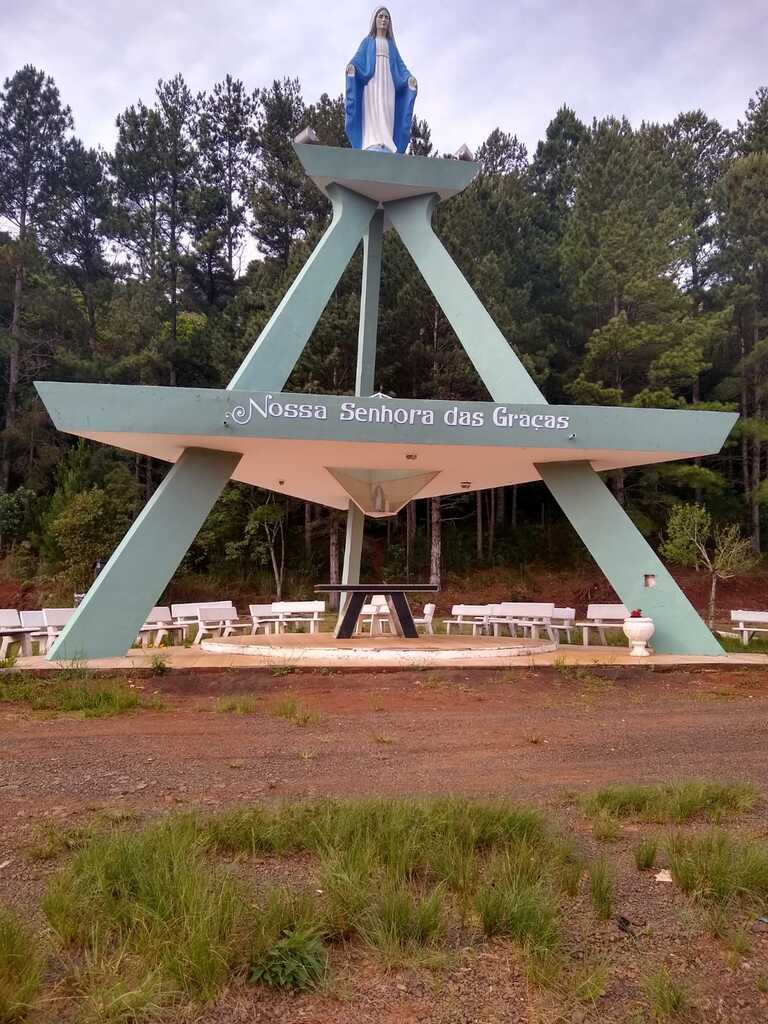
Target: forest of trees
<point>625,265</point>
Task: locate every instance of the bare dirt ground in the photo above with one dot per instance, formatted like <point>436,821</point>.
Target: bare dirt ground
<point>544,736</point>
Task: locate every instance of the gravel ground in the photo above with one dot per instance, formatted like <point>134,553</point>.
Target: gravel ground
<point>542,736</point>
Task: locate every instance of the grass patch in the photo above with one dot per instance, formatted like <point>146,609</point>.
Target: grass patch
<point>673,802</point>
<point>294,712</point>
<point>605,828</point>
<point>645,854</point>
<point>20,969</point>
<point>247,704</point>
<point>286,943</point>
<point>667,998</point>
<point>50,840</point>
<point>400,923</point>
<point>151,897</point>
<point>602,888</point>
<point>718,869</point>
<point>91,698</point>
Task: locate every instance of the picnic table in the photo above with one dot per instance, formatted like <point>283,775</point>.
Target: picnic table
<point>401,620</point>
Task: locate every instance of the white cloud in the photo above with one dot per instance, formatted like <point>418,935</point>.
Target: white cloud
<point>479,64</point>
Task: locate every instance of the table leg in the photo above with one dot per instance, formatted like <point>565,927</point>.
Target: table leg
<point>346,624</point>
<point>402,620</point>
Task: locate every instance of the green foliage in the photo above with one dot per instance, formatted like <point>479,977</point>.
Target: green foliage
<point>666,996</point>
<point>602,888</point>
<point>152,896</point>
<point>673,802</point>
<point>286,947</point>
<point>93,699</point>
<point>645,854</point>
<point>247,704</point>
<point>718,869</point>
<point>20,970</point>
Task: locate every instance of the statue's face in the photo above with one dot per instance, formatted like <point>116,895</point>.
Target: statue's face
<point>382,20</point>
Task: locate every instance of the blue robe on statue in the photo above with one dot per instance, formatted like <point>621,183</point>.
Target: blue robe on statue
<point>365,66</point>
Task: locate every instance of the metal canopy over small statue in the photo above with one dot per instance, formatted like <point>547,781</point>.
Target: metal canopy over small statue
<point>380,91</point>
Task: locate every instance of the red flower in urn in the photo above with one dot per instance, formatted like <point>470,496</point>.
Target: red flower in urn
<point>636,613</point>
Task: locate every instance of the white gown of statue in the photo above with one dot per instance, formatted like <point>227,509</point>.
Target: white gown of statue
<point>379,102</point>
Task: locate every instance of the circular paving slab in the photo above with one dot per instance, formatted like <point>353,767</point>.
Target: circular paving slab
<point>320,650</point>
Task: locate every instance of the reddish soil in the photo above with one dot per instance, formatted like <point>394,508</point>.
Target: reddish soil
<point>544,736</point>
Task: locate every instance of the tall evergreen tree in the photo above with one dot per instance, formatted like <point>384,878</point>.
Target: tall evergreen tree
<point>33,128</point>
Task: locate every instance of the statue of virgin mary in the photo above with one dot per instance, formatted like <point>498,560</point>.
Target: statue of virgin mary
<point>380,91</point>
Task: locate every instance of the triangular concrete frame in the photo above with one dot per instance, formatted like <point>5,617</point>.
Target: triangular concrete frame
<point>405,190</point>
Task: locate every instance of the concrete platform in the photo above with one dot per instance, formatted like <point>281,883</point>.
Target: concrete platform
<point>194,659</point>
<point>319,650</point>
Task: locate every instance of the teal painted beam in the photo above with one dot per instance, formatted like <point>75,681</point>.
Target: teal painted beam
<point>625,557</point>
<point>353,547</point>
<point>369,306</point>
<point>364,381</point>
<point>278,347</point>
<point>112,612</point>
<point>117,604</point>
<point>491,354</point>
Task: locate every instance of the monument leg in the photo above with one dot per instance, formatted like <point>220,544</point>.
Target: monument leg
<point>269,363</point>
<point>114,609</point>
<point>364,381</point>
<point>627,559</point>
<point>491,354</point>
<point>610,535</point>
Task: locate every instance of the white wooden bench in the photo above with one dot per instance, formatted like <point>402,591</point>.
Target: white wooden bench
<point>425,620</point>
<point>290,612</point>
<point>473,615</point>
<point>12,631</point>
<point>34,625</point>
<point>749,623</point>
<point>261,617</point>
<point>563,620</point>
<point>529,616</point>
<point>160,623</point>
<point>602,617</point>
<point>375,614</point>
<point>54,620</point>
<point>213,619</point>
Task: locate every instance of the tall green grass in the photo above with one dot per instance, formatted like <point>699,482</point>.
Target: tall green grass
<point>152,896</point>
<point>20,970</point>
<point>94,698</point>
<point>673,802</point>
<point>719,869</point>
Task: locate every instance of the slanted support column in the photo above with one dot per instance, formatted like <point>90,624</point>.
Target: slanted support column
<point>491,354</point>
<point>114,609</point>
<point>364,380</point>
<point>625,557</point>
<point>278,347</point>
<point>107,621</point>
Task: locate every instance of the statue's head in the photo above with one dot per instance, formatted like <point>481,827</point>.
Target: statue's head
<point>381,22</point>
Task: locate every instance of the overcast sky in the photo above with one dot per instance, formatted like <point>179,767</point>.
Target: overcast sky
<point>479,63</point>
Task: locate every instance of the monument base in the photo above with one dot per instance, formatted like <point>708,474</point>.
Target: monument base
<point>321,650</point>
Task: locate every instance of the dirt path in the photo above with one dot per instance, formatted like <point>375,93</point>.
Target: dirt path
<point>527,735</point>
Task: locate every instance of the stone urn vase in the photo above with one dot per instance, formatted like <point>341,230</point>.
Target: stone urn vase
<point>638,629</point>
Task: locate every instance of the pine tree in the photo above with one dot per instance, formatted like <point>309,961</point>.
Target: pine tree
<point>33,128</point>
